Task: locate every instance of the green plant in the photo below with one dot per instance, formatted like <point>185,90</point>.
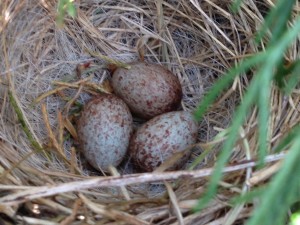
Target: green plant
<point>295,219</point>
<point>65,7</point>
<point>270,69</point>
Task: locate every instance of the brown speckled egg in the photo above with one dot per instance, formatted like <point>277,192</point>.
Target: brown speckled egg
<point>148,89</point>
<point>161,137</point>
<point>104,130</point>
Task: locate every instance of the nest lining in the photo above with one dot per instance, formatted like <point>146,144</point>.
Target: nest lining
<point>198,43</point>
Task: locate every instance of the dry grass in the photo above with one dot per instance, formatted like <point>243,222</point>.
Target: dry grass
<point>43,178</point>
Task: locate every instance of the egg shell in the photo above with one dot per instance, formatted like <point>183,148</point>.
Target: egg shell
<point>148,89</point>
<point>104,130</point>
<point>161,137</point>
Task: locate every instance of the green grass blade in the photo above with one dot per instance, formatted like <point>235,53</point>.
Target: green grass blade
<point>286,39</point>
<point>224,82</point>
<point>199,158</point>
<point>65,7</point>
<point>295,219</point>
<point>71,9</point>
<point>35,144</point>
<point>202,156</point>
<point>265,81</point>
<point>236,5</point>
<point>282,191</point>
<point>292,135</point>
<point>281,72</point>
<point>276,21</point>
<point>239,116</point>
<point>284,10</point>
<point>275,54</point>
<point>293,79</point>
<point>248,197</point>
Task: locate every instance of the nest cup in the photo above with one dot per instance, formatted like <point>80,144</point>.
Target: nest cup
<point>198,43</point>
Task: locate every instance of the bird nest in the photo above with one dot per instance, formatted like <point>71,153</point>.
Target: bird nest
<point>48,71</point>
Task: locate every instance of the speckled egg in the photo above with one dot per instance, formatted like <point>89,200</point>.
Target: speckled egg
<point>148,89</point>
<point>104,130</point>
<point>161,137</point>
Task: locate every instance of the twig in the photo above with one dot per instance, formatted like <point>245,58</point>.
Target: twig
<point>44,191</point>
<point>54,141</point>
<point>72,101</point>
<point>51,135</point>
<point>69,219</point>
<point>174,202</point>
<point>69,126</point>
<point>107,59</point>
<point>263,174</point>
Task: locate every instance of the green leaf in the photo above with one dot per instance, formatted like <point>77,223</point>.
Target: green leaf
<point>295,219</point>
<point>65,7</point>
<point>236,5</point>
<point>71,9</point>
<point>60,7</point>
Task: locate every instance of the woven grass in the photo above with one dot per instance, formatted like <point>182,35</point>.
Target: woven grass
<point>48,72</point>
